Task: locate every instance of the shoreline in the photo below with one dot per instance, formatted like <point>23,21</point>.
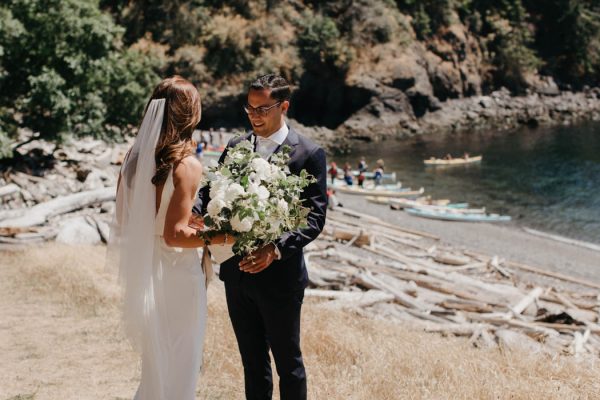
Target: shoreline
<point>496,111</point>
<point>506,240</point>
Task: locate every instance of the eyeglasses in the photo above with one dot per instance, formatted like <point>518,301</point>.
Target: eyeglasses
<point>262,111</point>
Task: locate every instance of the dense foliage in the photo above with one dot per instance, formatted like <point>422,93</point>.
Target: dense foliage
<point>85,67</point>
<point>64,71</point>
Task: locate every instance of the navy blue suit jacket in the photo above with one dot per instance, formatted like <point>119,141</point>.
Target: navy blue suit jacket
<point>289,273</point>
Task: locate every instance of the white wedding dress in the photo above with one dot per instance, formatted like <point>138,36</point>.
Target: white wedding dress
<point>172,348</point>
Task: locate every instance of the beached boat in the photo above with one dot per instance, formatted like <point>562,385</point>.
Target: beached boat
<point>453,216</point>
<point>369,175</point>
<point>460,208</point>
<point>420,200</point>
<point>370,185</point>
<point>453,161</point>
<point>451,210</point>
<point>380,192</point>
<point>400,204</point>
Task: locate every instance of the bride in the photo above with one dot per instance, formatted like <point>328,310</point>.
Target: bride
<point>160,270</point>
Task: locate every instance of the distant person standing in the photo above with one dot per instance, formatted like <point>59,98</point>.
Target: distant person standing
<point>333,171</point>
<point>348,174</point>
<point>211,133</point>
<point>221,134</point>
<point>362,165</point>
<point>199,150</point>
<point>361,178</point>
<point>204,144</point>
<point>379,172</point>
<point>378,175</point>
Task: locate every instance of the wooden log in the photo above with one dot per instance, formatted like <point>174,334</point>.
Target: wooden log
<point>326,277</point>
<point>40,213</point>
<point>527,300</point>
<point>9,189</point>
<point>471,266</point>
<point>395,239</point>
<point>501,290</point>
<point>556,275</point>
<point>8,214</point>
<point>351,222</point>
<point>450,283</point>
<point>357,238</point>
<point>494,263</point>
<point>581,304</point>
<point>467,306</point>
<point>451,259</point>
<point>331,294</point>
<point>545,327</point>
<point>30,237</point>
<point>369,281</point>
<point>386,224</point>
<point>579,340</point>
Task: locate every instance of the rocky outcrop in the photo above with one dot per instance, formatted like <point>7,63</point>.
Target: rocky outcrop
<point>439,86</point>
<point>401,89</point>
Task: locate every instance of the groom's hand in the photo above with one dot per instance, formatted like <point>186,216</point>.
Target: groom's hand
<point>259,259</point>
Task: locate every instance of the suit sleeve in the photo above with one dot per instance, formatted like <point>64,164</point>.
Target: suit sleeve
<point>315,197</point>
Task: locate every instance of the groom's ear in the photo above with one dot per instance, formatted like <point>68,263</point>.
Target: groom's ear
<point>284,106</point>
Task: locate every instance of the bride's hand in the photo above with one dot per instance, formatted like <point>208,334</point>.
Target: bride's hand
<point>196,221</point>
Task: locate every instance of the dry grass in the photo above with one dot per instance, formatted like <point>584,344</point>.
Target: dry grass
<point>60,339</point>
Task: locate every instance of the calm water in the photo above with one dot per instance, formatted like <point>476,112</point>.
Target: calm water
<point>545,178</point>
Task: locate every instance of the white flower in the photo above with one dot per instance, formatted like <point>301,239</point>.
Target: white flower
<point>219,186</point>
<point>282,206</point>
<point>237,156</point>
<point>259,190</point>
<point>274,226</point>
<point>262,168</point>
<point>215,206</point>
<point>241,226</point>
<point>234,191</point>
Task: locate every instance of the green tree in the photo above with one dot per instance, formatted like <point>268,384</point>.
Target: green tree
<point>428,15</point>
<point>64,71</point>
<point>175,22</point>
<point>321,47</point>
<point>568,37</point>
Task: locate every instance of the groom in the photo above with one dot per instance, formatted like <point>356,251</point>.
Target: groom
<point>265,289</point>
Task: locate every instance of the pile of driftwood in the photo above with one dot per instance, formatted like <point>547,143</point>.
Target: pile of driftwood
<point>380,270</point>
<point>65,192</point>
<point>359,262</point>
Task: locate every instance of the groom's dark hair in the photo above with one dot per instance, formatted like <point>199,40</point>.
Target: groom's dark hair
<point>279,87</point>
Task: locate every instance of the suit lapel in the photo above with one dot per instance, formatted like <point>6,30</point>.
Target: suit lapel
<point>291,140</point>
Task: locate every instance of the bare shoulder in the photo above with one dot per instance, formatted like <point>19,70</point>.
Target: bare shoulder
<point>188,169</point>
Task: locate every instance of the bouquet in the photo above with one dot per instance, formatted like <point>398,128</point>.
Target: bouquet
<point>253,199</point>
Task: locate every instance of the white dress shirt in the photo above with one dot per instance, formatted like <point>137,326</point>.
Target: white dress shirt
<point>265,146</point>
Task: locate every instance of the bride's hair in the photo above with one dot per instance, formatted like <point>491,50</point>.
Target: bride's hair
<point>182,114</point>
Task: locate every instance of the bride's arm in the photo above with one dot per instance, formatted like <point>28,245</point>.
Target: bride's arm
<point>177,233</point>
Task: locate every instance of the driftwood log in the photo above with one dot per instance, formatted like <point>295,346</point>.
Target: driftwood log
<point>40,213</point>
<point>411,277</point>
